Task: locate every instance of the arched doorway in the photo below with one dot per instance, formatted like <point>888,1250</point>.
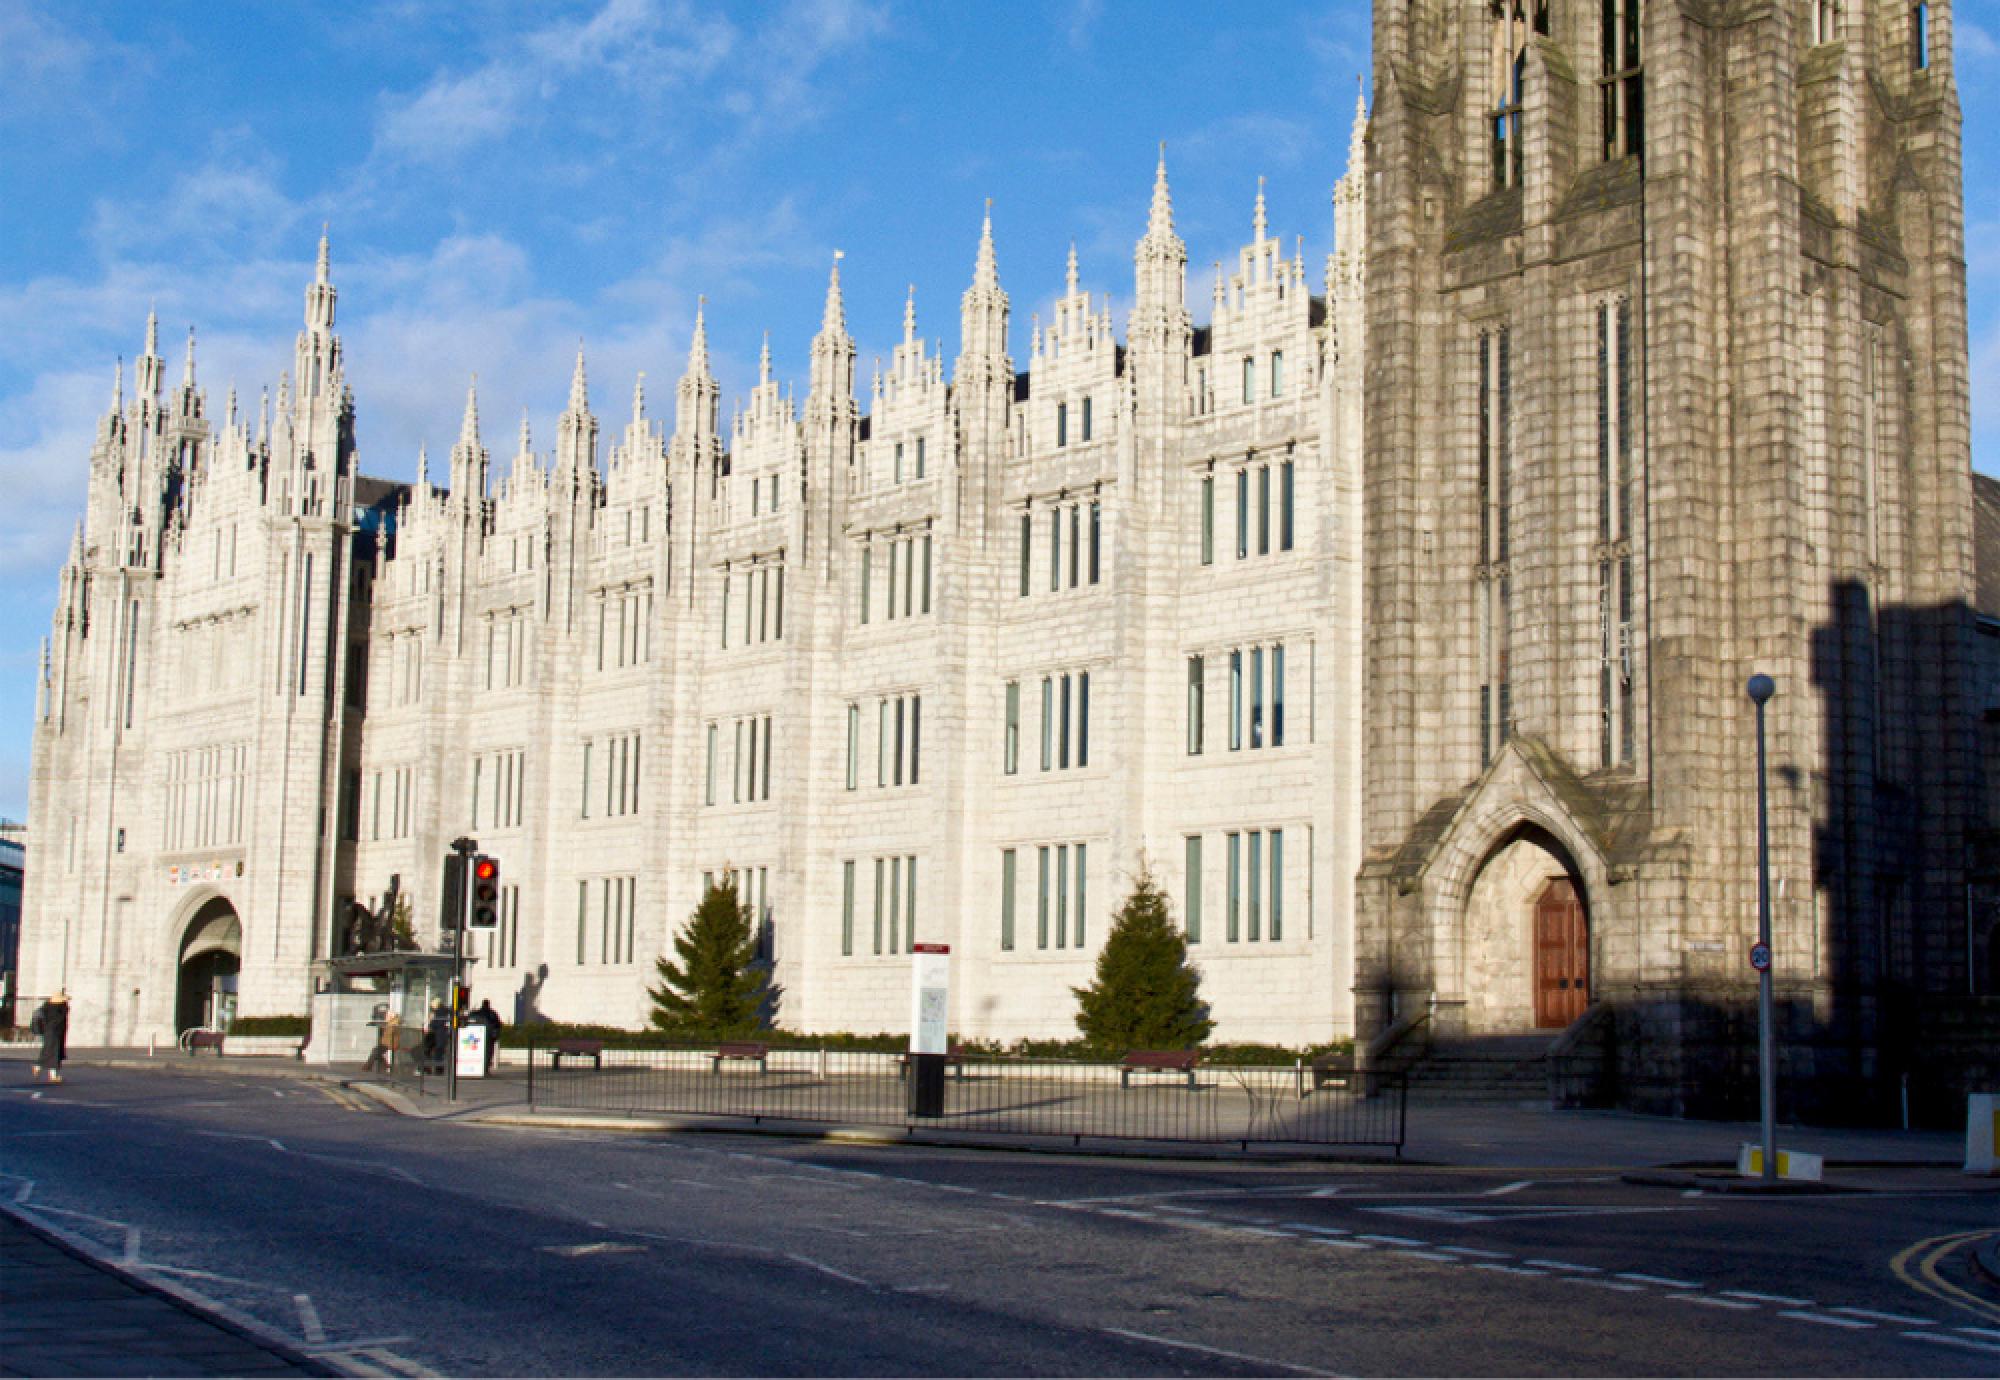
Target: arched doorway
<point>211,956</point>
<point>1526,937</point>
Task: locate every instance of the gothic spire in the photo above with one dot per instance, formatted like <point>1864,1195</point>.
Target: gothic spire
<point>1357,139</point>
<point>527,445</point>
<point>1069,274</point>
<point>986,268</point>
<point>639,397</point>
<point>910,316</point>
<point>1257,221</point>
<point>320,272</point>
<point>187,370</point>
<point>579,387</point>
<point>152,331</point>
<point>423,466</point>
<point>1160,220</point>
<point>834,321</point>
<point>698,348</point>
<point>764,361</point>
<point>468,427</point>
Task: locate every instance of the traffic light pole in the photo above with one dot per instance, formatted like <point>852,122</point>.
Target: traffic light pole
<point>465,848</point>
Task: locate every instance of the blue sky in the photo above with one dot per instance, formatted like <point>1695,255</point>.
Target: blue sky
<point>504,179</point>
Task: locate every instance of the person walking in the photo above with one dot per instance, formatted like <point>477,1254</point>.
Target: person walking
<point>389,1032</point>
<point>488,1017</point>
<point>51,1022</point>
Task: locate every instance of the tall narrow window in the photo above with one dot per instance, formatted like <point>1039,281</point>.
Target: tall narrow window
<point>897,475</point>
<point>1277,884</point>
<point>1075,542</point>
<point>1191,895</point>
<point>1062,895</point>
<point>1235,701</point>
<point>1621,96</point>
<point>897,765</point>
<point>927,575</point>
<point>1278,695</point>
<point>1027,545</point>
<point>708,790</point>
<point>1285,490</point>
<point>1493,583</point>
<point>882,744</point>
<point>1263,510</point>
<point>1614,543</point>
<point>867,568</point>
<point>880,897</point>
<point>1010,751</point>
<point>778,619</point>
<point>742,765</point>
<point>1062,425</point>
<point>1208,519</point>
<point>1081,932</point>
<point>1233,911</point>
<point>920,457</point>
<point>1042,897</point>
<point>1062,728</point>
<point>1277,373</point>
<point>1254,874</point>
<point>916,738</point>
<point>1249,379</point>
<point>1197,693</point>
<point>1048,722</point>
<point>1083,719</point>
<point>847,908</point>
<point>1006,899</point>
<point>1242,513</point>
<point>909,904</point>
<point>1096,535</point>
<point>1256,697</point>
<point>763,786</point>
<point>1086,419</point>
<point>586,778</point>
<point>853,745</point>
<point>1055,548</point>
<point>1509,66</point>
<point>1920,35</point>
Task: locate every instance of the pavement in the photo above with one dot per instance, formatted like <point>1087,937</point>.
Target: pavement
<point>72,1312</point>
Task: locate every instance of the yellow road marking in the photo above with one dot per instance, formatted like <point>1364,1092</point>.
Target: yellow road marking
<point>1927,1280</point>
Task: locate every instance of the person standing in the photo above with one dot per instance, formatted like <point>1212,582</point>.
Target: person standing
<point>51,1022</point>
<point>488,1017</point>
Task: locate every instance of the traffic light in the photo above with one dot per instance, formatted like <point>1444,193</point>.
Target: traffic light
<point>485,894</point>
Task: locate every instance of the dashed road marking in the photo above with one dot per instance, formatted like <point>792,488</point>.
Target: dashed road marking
<point>1755,1297</point>
<point>1948,1340</point>
<point>1392,1240</point>
<point>1611,1284</point>
<point>1664,1281</point>
<point>1825,1319</point>
<point>1152,1340</point>
<point>1511,1269</point>
<point>1565,1267</point>
<point>1980,1332</point>
<point>1711,1301</point>
<point>1476,1253</point>
<point>1429,1255</point>
<point>1902,1319</point>
<point>310,1326</point>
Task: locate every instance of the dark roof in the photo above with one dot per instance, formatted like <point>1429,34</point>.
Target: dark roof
<point>1986,544</point>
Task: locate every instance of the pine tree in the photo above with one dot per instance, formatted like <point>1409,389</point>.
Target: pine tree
<point>1147,995</point>
<point>717,990</point>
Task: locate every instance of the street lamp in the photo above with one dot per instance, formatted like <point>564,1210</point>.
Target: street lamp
<point>1761,688</point>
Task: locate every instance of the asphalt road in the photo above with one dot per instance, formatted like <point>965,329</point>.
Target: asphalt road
<point>391,1245</point>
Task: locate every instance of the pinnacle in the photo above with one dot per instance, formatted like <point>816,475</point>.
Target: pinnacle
<point>1257,221</point>
<point>639,397</point>
<point>423,466</point>
<point>1160,220</point>
<point>579,387</point>
<point>698,348</point>
<point>527,446</point>
<point>152,332</point>
<point>834,322</point>
<point>118,386</point>
<point>986,268</point>
<point>320,272</point>
<point>187,372</point>
<point>764,361</point>
<point>1069,276</point>
<point>910,315</point>
<point>468,429</point>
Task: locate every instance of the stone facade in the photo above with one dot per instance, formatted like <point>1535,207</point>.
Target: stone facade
<point>922,671</point>
<point>1667,340</point>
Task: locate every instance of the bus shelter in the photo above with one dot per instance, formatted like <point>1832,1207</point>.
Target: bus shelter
<point>353,995</point>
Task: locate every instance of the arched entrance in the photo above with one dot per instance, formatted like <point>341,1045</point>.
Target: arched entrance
<point>1527,937</point>
<point>210,958</point>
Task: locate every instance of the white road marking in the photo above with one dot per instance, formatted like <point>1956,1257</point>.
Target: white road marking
<point>1318,1231</point>
<point>594,1248</point>
<point>826,1269</point>
<point>1825,1319</point>
<point>277,1145</point>
<point>1980,1332</point>
<point>1756,1297</point>
<point>1711,1301</point>
<point>1505,1189</point>
<point>1476,1253</point>
<point>1344,1245</point>
<point>1691,1193</point>
<point>399,1365</point>
<point>1604,1284</point>
<point>1212,1351</point>
<point>1511,1270</point>
<point>1430,1255</point>
<point>1900,1318</point>
<point>1565,1266</point>
<point>1392,1240</point>
<point>309,1323</point>
<point>1950,1340</point>
<point>1662,1280</point>
<point>1254,1231</point>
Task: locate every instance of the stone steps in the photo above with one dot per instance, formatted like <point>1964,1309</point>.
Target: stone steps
<point>1490,1068</point>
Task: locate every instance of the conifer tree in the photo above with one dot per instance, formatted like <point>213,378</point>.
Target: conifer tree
<point>718,989</point>
<point>1147,995</point>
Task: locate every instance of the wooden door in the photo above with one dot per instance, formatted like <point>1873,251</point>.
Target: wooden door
<point>1562,955</point>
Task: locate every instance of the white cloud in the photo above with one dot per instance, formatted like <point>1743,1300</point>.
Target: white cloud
<point>1972,42</point>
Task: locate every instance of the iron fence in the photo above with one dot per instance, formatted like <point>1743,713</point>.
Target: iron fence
<point>985,1095</point>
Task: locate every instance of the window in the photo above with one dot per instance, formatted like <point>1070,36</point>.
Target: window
<point>909,904</point>
<point>1277,929</point>
<point>1096,534</point>
<point>586,778</point>
<point>1263,510</point>
<point>853,746</point>
<point>1191,893</point>
<point>920,457</point>
<point>1614,526</point>
<point>1256,697</point>
<point>1509,66</point>
<point>1197,693</point>
<point>1062,425</point>
<point>1249,379</point>
<point>1048,722</point>
<point>1055,548</point>
<point>1920,36</point>
<point>1006,900</point>
<point>1086,419</point>
<point>1079,933</point>
<point>1075,542</point>
<point>1042,897</point>
<point>1010,752</point>
<point>1236,701</point>
<point>1493,583</point>
<point>1208,519</point>
<point>1242,513</point>
<point>882,742</point>
<point>1255,873</point>
<point>899,740</point>
<point>880,896</point>
<point>497,789</point>
<point>897,477</point>
<point>867,567</point>
<point>1065,719</point>
<point>1062,725</point>
<point>708,788</point>
<point>1083,719</point>
<point>926,608</point>
<point>1278,695</point>
<point>1235,895</point>
<point>1062,895</point>
<point>1027,542</point>
<point>847,908</point>
<point>1277,373</point>
<point>1621,96</point>
<point>1285,506</point>
<point>728,583</point>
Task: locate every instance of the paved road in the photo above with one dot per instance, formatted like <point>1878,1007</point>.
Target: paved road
<point>389,1245</point>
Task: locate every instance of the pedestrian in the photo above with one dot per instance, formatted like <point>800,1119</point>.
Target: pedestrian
<point>488,1017</point>
<point>383,1056</point>
<point>437,1038</point>
<point>51,1022</point>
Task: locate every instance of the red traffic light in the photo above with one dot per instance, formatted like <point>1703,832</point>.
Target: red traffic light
<point>485,869</point>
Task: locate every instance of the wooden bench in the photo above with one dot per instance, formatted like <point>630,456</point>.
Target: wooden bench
<point>1181,1061</point>
<point>198,1040</point>
<point>749,1051</point>
<point>592,1050</point>
<point>1333,1069</point>
<point>954,1060</point>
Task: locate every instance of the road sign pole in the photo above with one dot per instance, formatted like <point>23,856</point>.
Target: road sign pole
<point>465,848</point>
<point>1761,688</point>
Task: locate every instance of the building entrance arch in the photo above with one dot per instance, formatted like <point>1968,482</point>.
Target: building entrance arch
<point>211,956</point>
<point>1527,936</point>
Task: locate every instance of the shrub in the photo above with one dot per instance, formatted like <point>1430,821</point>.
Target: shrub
<point>1147,995</point>
<point>270,1025</point>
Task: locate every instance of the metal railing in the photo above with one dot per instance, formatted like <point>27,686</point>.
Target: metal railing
<point>984,1095</point>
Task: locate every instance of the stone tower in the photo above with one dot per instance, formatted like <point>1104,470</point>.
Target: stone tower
<point>1667,386</point>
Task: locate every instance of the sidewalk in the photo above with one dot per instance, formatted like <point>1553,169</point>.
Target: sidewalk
<point>68,1315</point>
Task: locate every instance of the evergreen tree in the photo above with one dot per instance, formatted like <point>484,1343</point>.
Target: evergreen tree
<point>718,989</point>
<point>1147,995</point>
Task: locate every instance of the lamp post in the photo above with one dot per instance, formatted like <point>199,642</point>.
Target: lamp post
<point>1761,688</point>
